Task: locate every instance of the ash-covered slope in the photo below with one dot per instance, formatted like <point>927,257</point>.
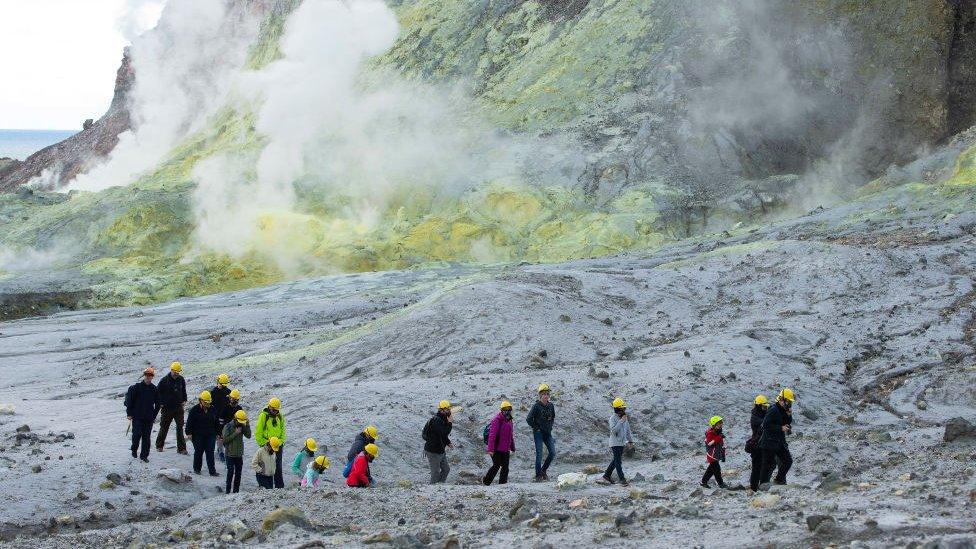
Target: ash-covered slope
<point>866,310</point>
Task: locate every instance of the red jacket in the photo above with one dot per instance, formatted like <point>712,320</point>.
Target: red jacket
<point>714,446</point>
<point>359,474</point>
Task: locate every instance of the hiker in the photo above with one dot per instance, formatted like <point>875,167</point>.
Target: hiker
<point>619,436</point>
<point>436,442</point>
<point>304,456</point>
<point>359,475</point>
<point>366,436</point>
<point>714,452</point>
<point>540,418</point>
<point>141,407</point>
<point>221,400</point>
<point>760,405</point>
<point>777,423</point>
<point>265,462</point>
<point>172,399</point>
<point>500,444</point>
<point>271,423</point>
<point>314,470</point>
<point>202,428</point>
<point>234,433</point>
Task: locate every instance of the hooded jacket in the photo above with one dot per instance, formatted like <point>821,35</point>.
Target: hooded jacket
<point>359,475</point>
<point>714,445</point>
<point>234,441</point>
<point>501,434</point>
<point>436,433</point>
<point>202,422</point>
<point>263,462</point>
<point>773,438</point>
<point>269,426</point>
<point>142,402</point>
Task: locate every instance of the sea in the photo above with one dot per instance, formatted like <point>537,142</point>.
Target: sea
<point>20,144</point>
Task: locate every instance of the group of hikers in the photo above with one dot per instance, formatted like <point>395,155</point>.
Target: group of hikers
<point>218,422</point>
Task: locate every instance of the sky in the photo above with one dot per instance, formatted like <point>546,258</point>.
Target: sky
<point>60,58</point>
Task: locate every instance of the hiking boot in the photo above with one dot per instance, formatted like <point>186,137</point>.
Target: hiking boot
<point>724,486</point>
<point>196,472</point>
<point>145,459</point>
<point>545,476</point>
<point>605,480</point>
<point>624,483</point>
<point>704,485</point>
<point>134,454</point>
<point>159,448</point>
<point>215,474</point>
<point>779,482</point>
<point>538,478</point>
<point>184,452</point>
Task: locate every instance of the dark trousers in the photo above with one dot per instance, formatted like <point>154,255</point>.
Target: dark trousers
<point>499,462</point>
<point>769,462</point>
<point>714,469</point>
<point>755,475</point>
<point>279,478</point>
<point>616,463</point>
<point>265,481</point>
<point>204,444</point>
<point>543,439</point>
<point>141,433</point>
<point>234,467</point>
<point>165,418</point>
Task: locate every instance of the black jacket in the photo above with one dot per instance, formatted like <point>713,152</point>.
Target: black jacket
<point>172,392</point>
<point>756,421</point>
<point>202,423</point>
<point>142,402</point>
<point>541,417</point>
<point>221,400</point>
<point>229,412</point>
<point>772,437</point>
<point>436,434</point>
<point>357,446</point>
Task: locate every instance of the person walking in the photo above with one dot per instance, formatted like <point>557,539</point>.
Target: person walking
<point>501,444</point>
<point>271,423</point>
<point>360,475</point>
<point>620,435</point>
<point>714,452</point>
<point>234,434</point>
<point>265,462</point>
<point>314,471</point>
<point>303,457</point>
<point>141,407</point>
<point>540,419</point>
<point>172,399</point>
<point>436,442</point>
<point>760,405</point>
<point>777,423</point>
<point>364,437</point>
<point>221,401</point>
<point>202,428</point>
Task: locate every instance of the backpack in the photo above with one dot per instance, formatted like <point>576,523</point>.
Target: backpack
<point>426,430</point>
<point>486,432</point>
<point>345,471</point>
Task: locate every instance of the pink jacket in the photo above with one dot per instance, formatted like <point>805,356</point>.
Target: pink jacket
<point>501,434</point>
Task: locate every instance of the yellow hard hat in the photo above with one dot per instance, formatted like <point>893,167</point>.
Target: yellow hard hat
<point>235,394</point>
<point>619,403</point>
<point>205,396</point>
<point>761,400</point>
<point>275,403</point>
<point>443,405</point>
<point>371,432</point>
<point>544,388</point>
<point>240,416</point>
<point>275,443</point>
<point>506,405</point>
<point>223,379</point>
<point>176,367</point>
<point>323,462</point>
<point>372,450</point>
<point>310,444</point>
<point>787,394</point>
<point>714,420</point>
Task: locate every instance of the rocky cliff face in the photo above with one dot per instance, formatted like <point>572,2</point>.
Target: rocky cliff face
<point>54,166</point>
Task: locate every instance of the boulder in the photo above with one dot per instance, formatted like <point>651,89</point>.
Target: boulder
<point>285,515</point>
<point>765,501</point>
<point>814,521</point>
<point>6,409</point>
<point>174,475</point>
<point>570,481</point>
<point>406,541</point>
<point>378,537</point>
<point>959,428</point>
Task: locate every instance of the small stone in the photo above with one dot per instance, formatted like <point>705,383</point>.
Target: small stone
<point>23,429</point>
<point>64,520</point>
<point>955,428</point>
<point>638,478</point>
<point>406,541</point>
<point>36,468</point>
<point>379,537</point>
<point>6,409</point>
<point>638,494</point>
<point>577,503</point>
<point>833,483</point>
<point>921,405</point>
<point>564,318</point>
<point>404,483</point>
<point>814,521</point>
<point>106,485</point>
<point>82,496</point>
<point>906,476</point>
<point>176,536</point>
<point>624,520</point>
<point>283,515</point>
<point>114,477</point>
<point>226,538</point>
<point>765,501</point>
<point>591,470</point>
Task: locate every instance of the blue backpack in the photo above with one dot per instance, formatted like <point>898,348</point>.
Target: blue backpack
<point>485,434</point>
<point>345,471</point>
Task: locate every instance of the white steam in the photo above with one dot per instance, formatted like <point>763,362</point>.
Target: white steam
<point>183,71</point>
<point>139,16</point>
